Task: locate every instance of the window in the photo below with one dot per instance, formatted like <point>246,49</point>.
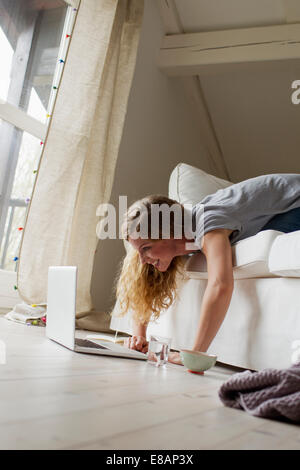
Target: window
<point>34,36</point>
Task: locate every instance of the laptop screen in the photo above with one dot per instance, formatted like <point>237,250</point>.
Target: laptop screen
<point>61,304</point>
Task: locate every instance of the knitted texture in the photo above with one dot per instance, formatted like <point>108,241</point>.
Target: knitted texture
<point>270,393</point>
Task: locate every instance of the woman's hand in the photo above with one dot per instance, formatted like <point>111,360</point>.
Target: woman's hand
<point>139,343</point>
<point>175,358</point>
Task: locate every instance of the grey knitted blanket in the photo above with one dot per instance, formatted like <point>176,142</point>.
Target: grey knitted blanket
<point>270,393</point>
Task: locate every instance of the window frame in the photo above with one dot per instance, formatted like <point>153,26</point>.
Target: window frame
<point>18,118</point>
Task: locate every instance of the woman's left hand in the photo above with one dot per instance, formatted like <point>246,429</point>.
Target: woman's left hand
<point>174,358</point>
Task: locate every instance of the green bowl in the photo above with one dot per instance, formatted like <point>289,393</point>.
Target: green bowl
<point>197,361</point>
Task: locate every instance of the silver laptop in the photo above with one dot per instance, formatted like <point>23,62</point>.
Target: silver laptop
<point>61,310</point>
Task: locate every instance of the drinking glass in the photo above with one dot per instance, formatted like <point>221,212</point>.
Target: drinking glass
<point>158,350</point>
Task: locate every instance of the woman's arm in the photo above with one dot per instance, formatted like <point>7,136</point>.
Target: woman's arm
<point>214,306</point>
<point>218,293</point>
<point>138,339</point>
<point>140,329</point>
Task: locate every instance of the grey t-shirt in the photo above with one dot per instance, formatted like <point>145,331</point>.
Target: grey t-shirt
<point>247,206</point>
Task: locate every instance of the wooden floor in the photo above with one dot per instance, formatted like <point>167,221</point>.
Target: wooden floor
<point>53,398</point>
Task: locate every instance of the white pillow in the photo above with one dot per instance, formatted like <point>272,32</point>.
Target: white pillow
<point>188,184</point>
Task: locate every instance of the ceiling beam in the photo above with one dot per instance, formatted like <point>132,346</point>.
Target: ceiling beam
<point>195,53</point>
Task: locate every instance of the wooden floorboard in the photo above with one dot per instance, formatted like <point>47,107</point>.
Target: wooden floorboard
<point>53,398</point>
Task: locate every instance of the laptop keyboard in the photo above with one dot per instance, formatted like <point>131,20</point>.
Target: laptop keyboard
<point>85,343</point>
<point>114,348</point>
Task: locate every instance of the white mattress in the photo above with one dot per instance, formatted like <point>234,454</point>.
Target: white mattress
<point>250,258</point>
<point>284,258</point>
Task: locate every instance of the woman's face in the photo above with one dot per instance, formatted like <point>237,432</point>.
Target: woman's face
<point>159,253</point>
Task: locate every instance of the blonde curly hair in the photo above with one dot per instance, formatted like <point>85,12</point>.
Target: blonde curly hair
<point>142,288</point>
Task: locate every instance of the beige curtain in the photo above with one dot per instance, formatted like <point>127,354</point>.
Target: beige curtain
<point>77,166</point>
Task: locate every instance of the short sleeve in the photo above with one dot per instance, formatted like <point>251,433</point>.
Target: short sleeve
<point>212,219</point>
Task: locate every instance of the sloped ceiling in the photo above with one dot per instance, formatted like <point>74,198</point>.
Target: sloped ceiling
<point>212,15</point>
<point>256,124</point>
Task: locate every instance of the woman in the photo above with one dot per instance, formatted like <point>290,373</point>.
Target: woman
<point>147,282</point>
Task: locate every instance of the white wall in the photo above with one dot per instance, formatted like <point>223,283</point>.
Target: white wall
<point>160,131</point>
<point>255,121</point>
